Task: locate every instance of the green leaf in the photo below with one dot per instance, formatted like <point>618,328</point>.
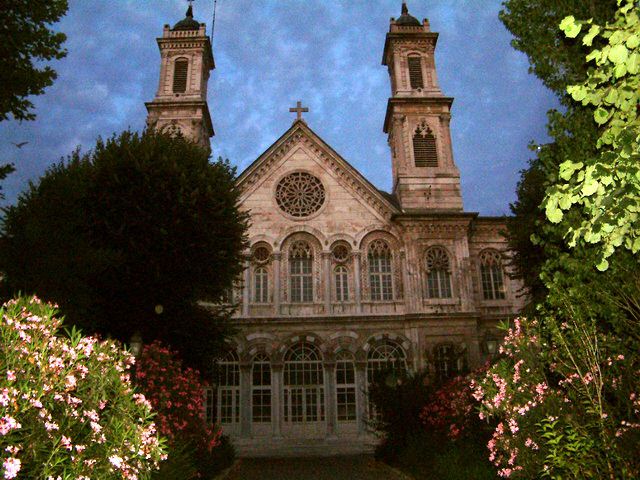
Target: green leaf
<point>603,265</point>
<point>590,187</point>
<point>601,116</point>
<point>569,26</point>
<point>568,168</point>
<point>618,54</point>
<point>633,63</point>
<point>577,92</point>
<point>620,70</point>
<point>554,214</point>
<point>588,38</point>
<point>633,41</point>
<point>616,38</point>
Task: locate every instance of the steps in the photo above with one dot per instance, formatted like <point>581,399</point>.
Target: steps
<point>304,447</point>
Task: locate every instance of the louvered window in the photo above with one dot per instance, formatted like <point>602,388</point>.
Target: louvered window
<point>180,75</point>
<point>415,72</point>
<point>424,148</point>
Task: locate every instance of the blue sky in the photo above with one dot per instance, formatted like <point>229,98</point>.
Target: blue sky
<point>271,53</point>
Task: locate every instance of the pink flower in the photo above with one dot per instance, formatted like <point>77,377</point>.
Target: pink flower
<point>11,467</point>
<point>11,375</point>
<point>7,424</point>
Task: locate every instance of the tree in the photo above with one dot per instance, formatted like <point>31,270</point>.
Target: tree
<point>605,187</point>
<point>26,41</point>
<point>129,238</point>
<point>558,62</point>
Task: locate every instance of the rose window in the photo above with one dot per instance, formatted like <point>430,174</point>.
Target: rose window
<point>300,194</point>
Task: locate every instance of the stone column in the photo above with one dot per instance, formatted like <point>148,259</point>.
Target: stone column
<point>330,397</point>
<point>356,281</point>
<point>245,289</point>
<point>326,265</point>
<point>407,287</point>
<point>361,396</point>
<point>276,399</point>
<point>245,400</point>
<point>276,282</point>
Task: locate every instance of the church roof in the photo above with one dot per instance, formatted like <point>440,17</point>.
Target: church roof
<point>389,201</point>
<point>187,23</point>
<point>407,20</point>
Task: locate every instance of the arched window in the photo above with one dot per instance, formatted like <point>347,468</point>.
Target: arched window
<point>384,356</point>
<point>341,280</point>
<point>438,273</point>
<point>491,275</point>
<point>260,285</point>
<point>446,362</point>
<point>425,153</point>
<point>303,384</point>
<point>415,72</point>
<point>180,69</point>
<point>380,272</point>
<point>261,389</point>
<point>228,389</point>
<point>301,272</point>
<point>345,387</point>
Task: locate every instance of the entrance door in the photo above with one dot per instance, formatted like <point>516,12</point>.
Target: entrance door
<point>304,402</point>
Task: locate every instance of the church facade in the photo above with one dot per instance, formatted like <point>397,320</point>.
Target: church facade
<point>343,280</point>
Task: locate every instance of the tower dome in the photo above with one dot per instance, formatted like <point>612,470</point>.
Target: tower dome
<point>407,20</point>
<point>187,23</point>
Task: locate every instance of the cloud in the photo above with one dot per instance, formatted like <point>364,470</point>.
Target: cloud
<point>271,53</point>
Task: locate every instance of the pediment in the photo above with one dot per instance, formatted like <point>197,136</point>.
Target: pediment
<point>302,140</point>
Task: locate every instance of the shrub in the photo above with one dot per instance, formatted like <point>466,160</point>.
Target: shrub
<point>176,394</point>
<point>451,409</point>
<point>397,398</point>
<point>66,404</point>
<point>566,400</point>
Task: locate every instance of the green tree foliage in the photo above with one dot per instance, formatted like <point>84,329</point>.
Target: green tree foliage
<point>130,237</point>
<point>25,42</point>
<point>558,62</point>
<point>605,187</point>
<point>534,24</point>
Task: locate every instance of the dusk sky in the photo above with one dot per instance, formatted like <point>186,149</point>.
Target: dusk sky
<point>271,53</point>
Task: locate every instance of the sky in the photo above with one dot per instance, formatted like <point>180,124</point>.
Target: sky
<point>270,54</point>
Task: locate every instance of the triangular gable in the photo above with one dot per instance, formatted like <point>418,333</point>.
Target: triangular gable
<point>347,174</point>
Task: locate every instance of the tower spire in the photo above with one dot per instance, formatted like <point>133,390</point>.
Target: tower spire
<point>189,13</point>
<point>405,9</point>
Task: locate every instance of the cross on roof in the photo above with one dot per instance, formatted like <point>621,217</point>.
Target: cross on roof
<point>299,109</point>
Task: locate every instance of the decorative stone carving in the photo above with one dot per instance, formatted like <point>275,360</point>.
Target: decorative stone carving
<point>300,194</point>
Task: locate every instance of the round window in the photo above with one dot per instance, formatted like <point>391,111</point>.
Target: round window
<point>300,194</point>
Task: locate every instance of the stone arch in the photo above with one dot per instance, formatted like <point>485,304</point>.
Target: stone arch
<point>341,237</point>
<point>308,337</point>
<point>377,338</point>
<point>346,340</point>
<point>300,229</point>
<point>263,238</point>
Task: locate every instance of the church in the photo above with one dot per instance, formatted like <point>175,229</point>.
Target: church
<point>342,279</point>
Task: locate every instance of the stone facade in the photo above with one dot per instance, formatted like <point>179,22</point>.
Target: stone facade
<point>343,279</point>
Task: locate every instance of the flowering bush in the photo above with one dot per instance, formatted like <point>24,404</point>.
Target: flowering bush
<point>566,401</point>
<point>451,410</point>
<point>67,409</point>
<point>176,394</point>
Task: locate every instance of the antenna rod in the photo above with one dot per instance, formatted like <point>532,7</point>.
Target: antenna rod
<point>213,21</point>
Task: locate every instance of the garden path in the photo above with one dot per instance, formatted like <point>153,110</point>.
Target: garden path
<point>360,467</point>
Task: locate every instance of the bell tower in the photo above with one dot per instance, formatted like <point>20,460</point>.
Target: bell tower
<point>181,100</point>
<point>425,176</point>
